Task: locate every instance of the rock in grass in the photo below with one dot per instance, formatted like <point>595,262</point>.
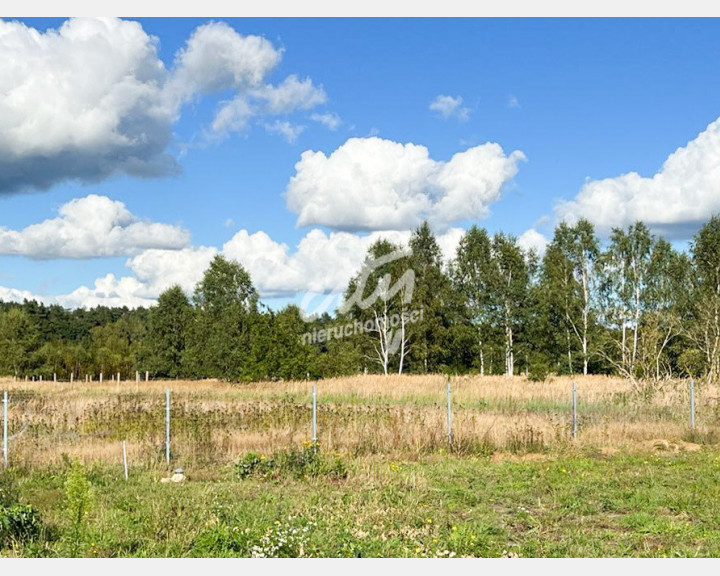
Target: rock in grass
<point>174,479</point>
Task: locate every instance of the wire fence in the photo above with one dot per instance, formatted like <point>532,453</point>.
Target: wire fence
<point>135,423</point>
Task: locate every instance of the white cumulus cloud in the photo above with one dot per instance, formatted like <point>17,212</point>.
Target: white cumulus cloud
<point>93,99</point>
<point>217,58</point>
<point>531,239</point>
<point>684,193</point>
<point>89,227</point>
<point>321,263</point>
<point>377,184</point>
<point>450,107</point>
<point>84,102</point>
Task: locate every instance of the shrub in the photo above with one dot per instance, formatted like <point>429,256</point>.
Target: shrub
<point>253,463</point>
<point>19,523</point>
<point>299,462</point>
<point>539,368</point>
<point>79,501</point>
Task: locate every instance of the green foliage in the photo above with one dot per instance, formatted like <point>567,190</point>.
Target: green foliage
<point>625,505</point>
<point>635,307</point>
<point>79,501</point>
<point>539,368</point>
<point>19,524</point>
<point>253,463</point>
<point>168,331</point>
<point>297,462</point>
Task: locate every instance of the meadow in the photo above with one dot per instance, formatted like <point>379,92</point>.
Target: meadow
<point>383,480</point>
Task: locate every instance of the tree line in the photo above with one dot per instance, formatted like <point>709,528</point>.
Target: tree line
<point>633,306</point>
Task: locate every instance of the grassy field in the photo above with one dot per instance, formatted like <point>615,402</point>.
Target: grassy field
<point>384,481</point>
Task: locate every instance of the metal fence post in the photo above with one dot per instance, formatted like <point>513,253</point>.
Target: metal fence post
<point>5,428</point>
<point>692,404</point>
<point>125,460</point>
<point>574,411</point>
<point>314,416</point>
<point>167,425</point>
<point>448,394</point>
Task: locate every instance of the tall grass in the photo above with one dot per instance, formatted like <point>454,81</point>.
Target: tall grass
<point>216,422</point>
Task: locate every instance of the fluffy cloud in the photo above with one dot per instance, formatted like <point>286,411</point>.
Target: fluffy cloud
<point>158,270</point>
<point>108,291</point>
<point>683,194</point>
<point>82,102</point>
<point>531,239</point>
<point>15,295</point>
<point>94,226</point>
<point>291,95</point>
<point>376,184</point>
<point>93,99</point>
<point>321,263</point>
<point>217,58</point>
<point>450,107</point>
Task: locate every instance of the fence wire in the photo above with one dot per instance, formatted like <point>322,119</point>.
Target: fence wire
<point>215,423</point>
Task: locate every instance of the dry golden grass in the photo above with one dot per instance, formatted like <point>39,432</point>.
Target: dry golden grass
<point>215,422</point>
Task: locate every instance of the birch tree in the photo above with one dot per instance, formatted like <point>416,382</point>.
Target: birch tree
<point>705,331</point>
<point>510,283</point>
<point>472,272</point>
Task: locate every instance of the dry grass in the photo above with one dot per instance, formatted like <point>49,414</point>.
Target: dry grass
<point>215,422</point>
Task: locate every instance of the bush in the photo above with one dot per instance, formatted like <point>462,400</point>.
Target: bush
<point>8,490</point>
<point>19,524</point>
<point>299,462</point>
<point>253,463</point>
<point>539,368</point>
<point>79,501</point>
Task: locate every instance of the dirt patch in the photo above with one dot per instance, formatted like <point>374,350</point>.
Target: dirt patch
<point>662,445</point>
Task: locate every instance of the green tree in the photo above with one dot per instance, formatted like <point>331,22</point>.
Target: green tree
<point>167,332</point>
<point>219,331</point>
<point>705,330</point>
<point>509,291</point>
<point>626,271</point>
<point>570,279</point>
<point>18,340</point>
<point>440,306</point>
<point>380,296</point>
<point>472,273</point>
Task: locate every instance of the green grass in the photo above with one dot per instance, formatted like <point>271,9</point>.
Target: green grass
<point>573,505</point>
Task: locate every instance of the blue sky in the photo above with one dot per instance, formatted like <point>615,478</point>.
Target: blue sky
<point>584,101</point>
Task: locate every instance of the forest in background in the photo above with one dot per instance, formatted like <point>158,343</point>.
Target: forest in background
<point>632,306</point>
